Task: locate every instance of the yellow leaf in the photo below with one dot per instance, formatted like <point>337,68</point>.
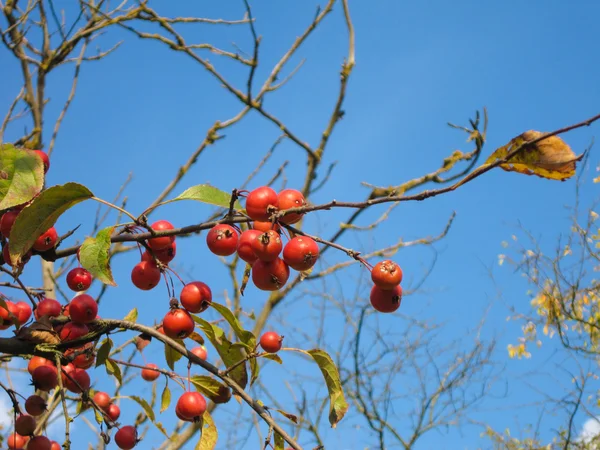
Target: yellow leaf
<point>549,158</point>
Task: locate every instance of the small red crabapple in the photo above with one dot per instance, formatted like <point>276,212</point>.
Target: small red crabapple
<point>267,246</point>
<point>270,276</point>
<point>386,301</point>
<point>386,274</point>
<point>290,198</point>
<point>126,437</point>
<point>149,374</point>
<point>191,405</point>
<point>145,275</point>
<point>178,324</point>
<point>44,158</point>
<point>46,241</point>
<point>301,253</point>
<point>200,352</point>
<point>163,242</point>
<point>244,248</point>
<point>79,279</point>
<point>222,240</point>
<point>271,342</point>
<point>259,202</point>
<point>196,297</point>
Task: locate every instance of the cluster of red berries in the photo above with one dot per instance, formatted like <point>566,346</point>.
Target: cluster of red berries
<point>262,245</point>
<point>386,294</point>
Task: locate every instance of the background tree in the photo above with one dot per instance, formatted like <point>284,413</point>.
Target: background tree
<point>450,379</point>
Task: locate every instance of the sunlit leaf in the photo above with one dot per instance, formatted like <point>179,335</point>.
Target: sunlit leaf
<point>211,388</point>
<point>229,354</point>
<point>21,176</point>
<point>131,316</point>
<point>165,398</point>
<point>287,415</point>
<point>279,441</point>
<point>94,256</point>
<point>337,403</point>
<point>172,355</point>
<point>208,439</point>
<point>112,368</point>
<point>550,158</point>
<point>273,357</point>
<point>41,214</point>
<point>103,352</point>
<point>207,194</point>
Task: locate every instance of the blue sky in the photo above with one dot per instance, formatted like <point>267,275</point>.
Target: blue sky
<point>418,65</point>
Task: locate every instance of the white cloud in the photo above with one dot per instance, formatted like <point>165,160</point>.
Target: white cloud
<point>590,430</point>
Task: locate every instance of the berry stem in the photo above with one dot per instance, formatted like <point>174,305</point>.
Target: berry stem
<point>118,208</point>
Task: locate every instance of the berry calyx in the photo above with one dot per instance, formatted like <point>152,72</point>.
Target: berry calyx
<point>290,198</point>
<point>46,241</point>
<point>386,274</point>
<point>83,309</point>
<point>79,279</point>
<point>244,248</point>
<point>149,374</point>
<point>126,437</point>
<point>261,202</point>
<point>196,297</point>
<point>386,301</point>
<point>145,275</point>
<point>301,253</point>
<point>222,240</point>
<point>163,242</point>
<point>271,342</point>
<point>191,406</point>
<point>270,275</point>
<point>267,246</point>
<point>178,324</point>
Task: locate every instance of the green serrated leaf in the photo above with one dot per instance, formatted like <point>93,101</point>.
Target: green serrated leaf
<point>21,176</point>
<point>244,336</point>
<point>94,256</point>
<point>172,355</point>
<point>165,399</point>
<point>229,353</point>
<point>337,403</point>
<point>208,440</point>
<point>113,369</point>
<point>103,351</point>
<point>213,389</point>
<point>131,316</point>
<point>41,214</point>
<point>206,193</point>
<point>279,441</point>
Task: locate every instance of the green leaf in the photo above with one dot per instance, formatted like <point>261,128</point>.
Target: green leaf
<point>131,316</point>
<point>103,351</point>
<point>94,256</point>
<point>279,441</point>
<point>206,193</point>
<point>337,403</point>
<point>21,176</point>
<point>208,440</point>
<point>172,355</point>
<point>113,369</point>
<point>98,416</point>
<point>41,214</point>
<point>213,389</point>
<point>229,354</point>
<point>244,336</point>
<point>272,357</point>
<point>287,415</point>
<point>165,398</point>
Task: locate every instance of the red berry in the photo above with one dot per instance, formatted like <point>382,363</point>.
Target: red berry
<point>35,405</point>
<point>386,274</point>
<point>195,297</point>
<point>265,226</point>
<point>271,342</point>
<point>178,324</point>
<point>163,242</point>
<point>301,253</point>
<point>270,276</point>
<point>79,381</point>
<point>191,405</point>
<point>244,248</point>
<point>179,416</point>
<point>149,374</point>
<point>45,378</point>
<point>259,203</point>
<point>25,425</point>
<point>83,309</point>
<point>290,198</point>
<point>37,361</point>
<point>48,307</point>
<point>145,275</point>
<point>164,255</point>
<point>45,159</point>
<point>267,246</point>
<point>79,279</point>
<point>72,331</point>
<point>46,241</point>
<point>85,356</point>
<point>113,412</point>
<point>55,446</point>
<point>24,312</point>
<point>200,352</point>
<point>16,442</point>
<point>386,301</point>
<point>222,240</point>
<point>126,437</point>
<point>39,443</point>
<point>9,315</point>
<point>7,221</point>
<point>102,399</point>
